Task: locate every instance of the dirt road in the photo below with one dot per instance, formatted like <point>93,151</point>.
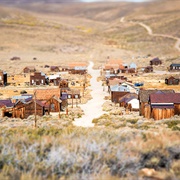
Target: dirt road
<point>93,108</point>
<point>150,32</point>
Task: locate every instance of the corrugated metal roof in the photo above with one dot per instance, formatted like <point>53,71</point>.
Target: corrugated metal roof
<point>165,98</point>
<point>119,88</point>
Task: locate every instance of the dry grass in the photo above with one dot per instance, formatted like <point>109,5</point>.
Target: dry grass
<point>77,153</point>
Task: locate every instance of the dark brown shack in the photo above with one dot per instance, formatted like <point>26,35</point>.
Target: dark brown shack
<point>29,69</point>
<point>172,80</point>
<point>3,78</point>
<point>148,69</point>
<point>37,79</point>
<point>54,69</point>
<point>155,61</point>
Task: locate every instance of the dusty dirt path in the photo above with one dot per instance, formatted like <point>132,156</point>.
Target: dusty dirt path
<point>150,32</point>
<point>92,109</point>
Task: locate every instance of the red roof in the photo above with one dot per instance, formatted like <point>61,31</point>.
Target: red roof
<point>165,98</point>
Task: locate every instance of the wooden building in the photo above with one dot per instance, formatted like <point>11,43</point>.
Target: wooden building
<point>129,99</point>
<point>148,69</point>
<point>23,109</point>
<point>54,104</point>
<point>144,100</point>
<point>164,106</point>
<point>172,80</point>
<point>174,67</point>
<point>54,69</point>
<point>77,68</point>
<point>37,78</point>
<point>6,107</point>
<point>117,92</point>
<point>3,78</point>
<point>156,61</point>
<point>54,79</point>
<point>29,69</point>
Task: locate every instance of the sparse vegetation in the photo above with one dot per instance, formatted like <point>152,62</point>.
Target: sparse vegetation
<point>77,153</point>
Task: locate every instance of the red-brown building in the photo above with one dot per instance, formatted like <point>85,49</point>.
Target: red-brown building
<point>37,79</point>
<point>172,80</point>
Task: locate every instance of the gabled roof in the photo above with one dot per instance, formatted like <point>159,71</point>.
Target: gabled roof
<point>173,77</point>
<point>155,60</point>
<point>165,98</point>
<point>144,94</point>
<point>6,102</point>
<point>111,66</point>
<point>128,96</point>
<point>45,94</point>
<point>177,65</point>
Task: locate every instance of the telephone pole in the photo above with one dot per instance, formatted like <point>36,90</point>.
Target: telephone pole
<point>35,118</point>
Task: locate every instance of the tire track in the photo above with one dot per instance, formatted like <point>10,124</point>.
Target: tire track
<point>150,32</point>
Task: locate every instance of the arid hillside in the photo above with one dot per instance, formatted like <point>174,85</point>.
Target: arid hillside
<point>63,32</point>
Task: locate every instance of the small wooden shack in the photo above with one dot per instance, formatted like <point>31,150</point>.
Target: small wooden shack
<point>172,80</point>
<point>174,67</point>
<point>54,69</point>
<point>148,69</point>
<point>156,61</point>
<point>29,69</point>
<point>3,78</point>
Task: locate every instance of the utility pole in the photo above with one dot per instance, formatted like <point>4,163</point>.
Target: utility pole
<point>72,97</point>
<point>35,118</point>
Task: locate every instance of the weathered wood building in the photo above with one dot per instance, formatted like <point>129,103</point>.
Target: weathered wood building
<point>156,61</point>
<point>77,68</point>
<point>54,104</point>
<point>117,92</point>
<point>54,69</point>
<point>164,106</point>
<point>172,80</point>
<point>23,109</point>
<point>29,69</point>
<point>174,67</point>
<point>148,69</point>
<point>3,78</point>
<point>144,101</point>
<point>37,78</point>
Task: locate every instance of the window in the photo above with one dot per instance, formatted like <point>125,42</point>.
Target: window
<point>42,81</point>
<point>52,107</point>
<point>69,96</point>
<point>32,81</point>
<point>76,96</point>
